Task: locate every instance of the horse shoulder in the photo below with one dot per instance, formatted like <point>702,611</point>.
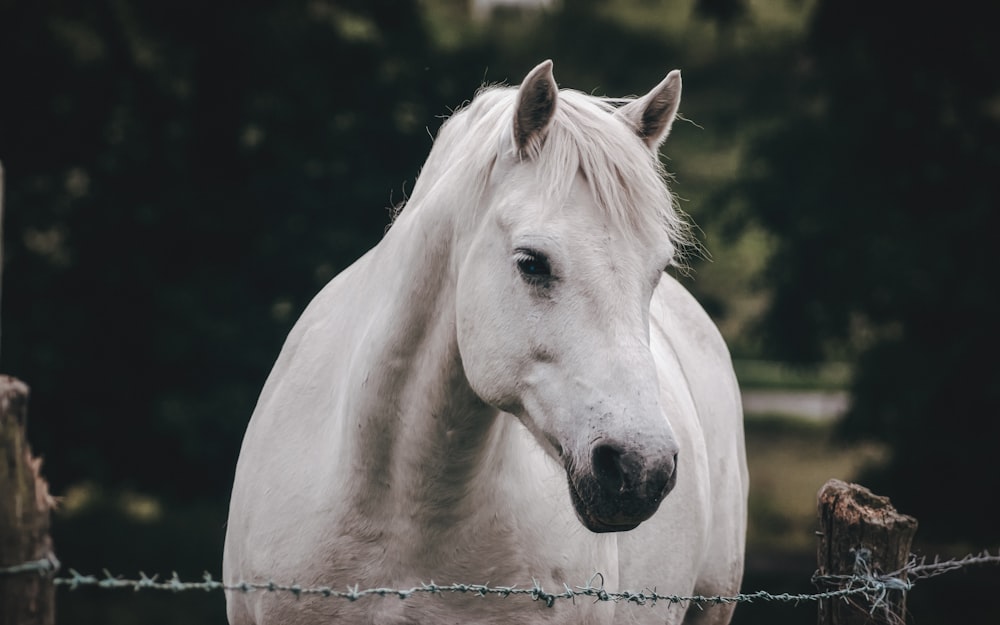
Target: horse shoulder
<point>290,436</point>
<point>688,328</point>
<point>681,324</point>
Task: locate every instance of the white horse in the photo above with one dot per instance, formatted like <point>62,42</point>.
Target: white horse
<point>504,391</point>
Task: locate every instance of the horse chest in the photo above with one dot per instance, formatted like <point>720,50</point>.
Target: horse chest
<point>532,535</point>
<point>452,609</point>
<point>498,554</point>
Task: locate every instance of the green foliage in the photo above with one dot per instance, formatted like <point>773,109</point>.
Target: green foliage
<point>181,179</point>
<point>762,374</point>
<point>880,188</point>
<point>723,12</point>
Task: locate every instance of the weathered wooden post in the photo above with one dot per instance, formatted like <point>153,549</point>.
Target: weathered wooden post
<point>1,228</point>
<point>26,598</point>
<point>861,533</point>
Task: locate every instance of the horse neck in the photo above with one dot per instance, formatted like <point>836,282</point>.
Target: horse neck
<point>423,437</point>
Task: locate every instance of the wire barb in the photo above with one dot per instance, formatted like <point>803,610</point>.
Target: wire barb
<point>864,582</point>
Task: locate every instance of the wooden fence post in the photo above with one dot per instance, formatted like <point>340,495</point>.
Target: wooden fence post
<point>25,504</point>
<point>861,531</point>
<point>1,230</point>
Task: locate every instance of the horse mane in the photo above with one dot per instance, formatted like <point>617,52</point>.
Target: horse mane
<point>626,178</point>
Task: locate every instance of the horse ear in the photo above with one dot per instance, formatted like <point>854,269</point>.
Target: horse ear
<point>536,103</point>
<point>652,115</point>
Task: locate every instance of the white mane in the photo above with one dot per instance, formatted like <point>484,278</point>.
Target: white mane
<point>625,177</point>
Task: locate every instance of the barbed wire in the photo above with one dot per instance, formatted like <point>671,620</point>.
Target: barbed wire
<point>871,585</point>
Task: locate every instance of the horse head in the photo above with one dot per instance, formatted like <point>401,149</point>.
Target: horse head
<point>574,228</point>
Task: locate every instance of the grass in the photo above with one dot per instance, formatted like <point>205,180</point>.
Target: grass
<point>764,374</point>
<point>790,459</point>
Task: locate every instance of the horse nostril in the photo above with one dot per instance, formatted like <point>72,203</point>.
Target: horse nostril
<point>611,468</point>
<point>671,475</point>
<point>621,472</point>
<point>606,461</point>
<point>673,468</point>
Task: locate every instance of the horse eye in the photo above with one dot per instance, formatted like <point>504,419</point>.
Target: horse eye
<point>533,264</point>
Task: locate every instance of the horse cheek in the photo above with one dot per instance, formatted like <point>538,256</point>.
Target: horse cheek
<point>487,359</point>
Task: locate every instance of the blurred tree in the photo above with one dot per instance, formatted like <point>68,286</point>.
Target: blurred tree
<point>725,13</point>
<point>882,189</point>
<point>181,178</point>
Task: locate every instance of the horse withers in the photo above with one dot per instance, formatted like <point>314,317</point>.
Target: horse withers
<point>507,389</point>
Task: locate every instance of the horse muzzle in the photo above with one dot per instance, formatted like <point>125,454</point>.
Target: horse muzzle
<point>620,488</point>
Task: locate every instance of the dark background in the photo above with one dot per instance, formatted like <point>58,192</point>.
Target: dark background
<point>182,177</point>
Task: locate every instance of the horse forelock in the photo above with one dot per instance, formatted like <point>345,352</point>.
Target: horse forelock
<point>626,179</point>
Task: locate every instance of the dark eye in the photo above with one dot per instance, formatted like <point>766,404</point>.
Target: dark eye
<point>533,264</point>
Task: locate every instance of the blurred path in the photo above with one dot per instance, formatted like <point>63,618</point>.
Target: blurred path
<point>815,405</point>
